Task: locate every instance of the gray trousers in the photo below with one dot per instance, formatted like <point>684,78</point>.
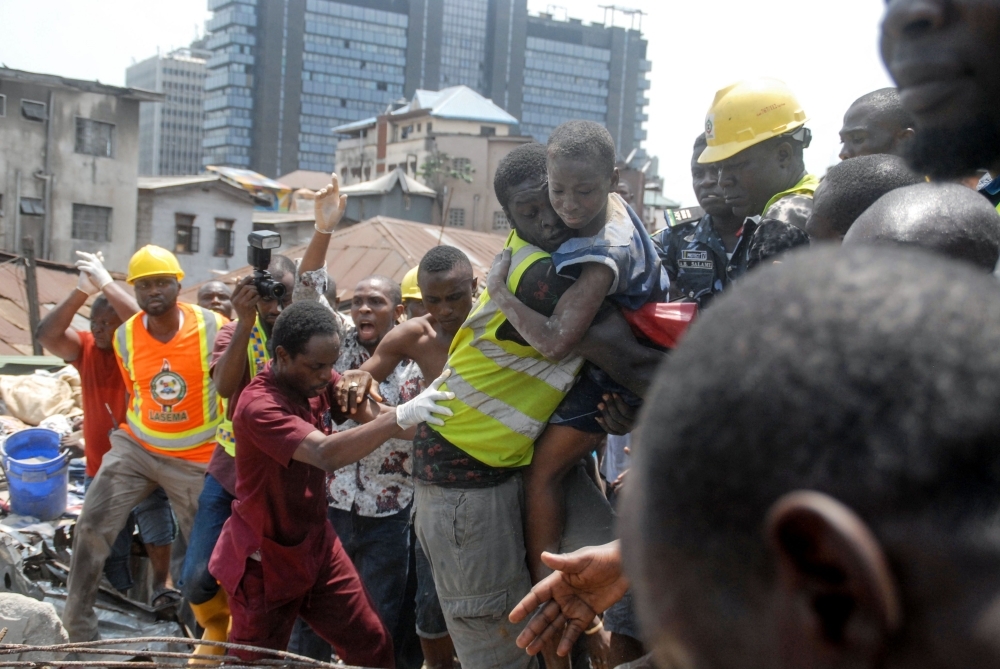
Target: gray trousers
<point>474,540</point>
<point>128,474</point>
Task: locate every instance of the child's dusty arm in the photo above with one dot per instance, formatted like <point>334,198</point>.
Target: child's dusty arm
<point>554,337</point>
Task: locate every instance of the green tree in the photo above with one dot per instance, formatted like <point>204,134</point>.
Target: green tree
<point>438,170</point>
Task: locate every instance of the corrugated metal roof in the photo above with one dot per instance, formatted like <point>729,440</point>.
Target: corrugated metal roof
<point>55,282</point>
<point>459,103</point>
<point>153,183</point>
<point>306,179</point>
<point>386,246</point>
<point>387,182</point>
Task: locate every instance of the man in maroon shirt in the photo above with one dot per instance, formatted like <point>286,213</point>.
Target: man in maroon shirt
<point>240,354</point>
<point>278,556</point>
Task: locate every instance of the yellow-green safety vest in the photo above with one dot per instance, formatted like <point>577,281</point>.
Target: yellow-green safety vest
<point>257,359</point>
<point>806,186</point>
<point>505,392</point>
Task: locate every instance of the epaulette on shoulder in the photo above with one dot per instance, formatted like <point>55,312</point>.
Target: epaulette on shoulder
<point>684,216</point>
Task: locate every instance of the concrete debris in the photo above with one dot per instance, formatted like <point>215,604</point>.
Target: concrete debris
<point>31,623</point>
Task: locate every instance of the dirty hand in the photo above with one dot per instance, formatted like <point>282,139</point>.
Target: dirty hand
<point>497,280</point>
<point>616,417</point>
<point>244,300</point>
<point>585,582</point>
<point>352,388</point>
<point>421,409</point>
<point>330,206</point>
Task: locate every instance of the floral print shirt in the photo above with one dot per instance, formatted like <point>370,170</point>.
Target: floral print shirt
<point>381,483</point>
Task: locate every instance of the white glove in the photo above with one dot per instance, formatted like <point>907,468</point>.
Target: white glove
<point>92,264</point>
<point>421,409</point>
<point>86,285</point>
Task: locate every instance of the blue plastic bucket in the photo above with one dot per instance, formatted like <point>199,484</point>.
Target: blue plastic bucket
<point>37,473</point>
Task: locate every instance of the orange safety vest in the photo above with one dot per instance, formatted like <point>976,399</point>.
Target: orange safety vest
<point>173,406</point>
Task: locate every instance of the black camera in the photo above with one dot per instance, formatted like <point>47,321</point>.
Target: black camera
<point>259,256</point>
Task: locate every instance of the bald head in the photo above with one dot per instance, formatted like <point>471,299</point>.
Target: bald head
<point>216,296</point>
<point>947,218</point>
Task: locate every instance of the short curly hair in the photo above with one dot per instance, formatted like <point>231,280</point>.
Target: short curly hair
<point>523,163</point>
<point>887,107</point>
<point>299,323</point>
<point>584,140</point>
<point>443,259</point>
<point>855,184</point>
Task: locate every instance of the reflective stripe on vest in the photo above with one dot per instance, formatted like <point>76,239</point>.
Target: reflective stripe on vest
<point>806,186</point>
<point>257,359</point>
<point>207,323</point>
<point>505,392</point>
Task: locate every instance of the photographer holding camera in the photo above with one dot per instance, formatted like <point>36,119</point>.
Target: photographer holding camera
<point>240,354</point>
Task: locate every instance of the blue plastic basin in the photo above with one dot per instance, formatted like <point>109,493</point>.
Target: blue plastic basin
<point>37,488</point>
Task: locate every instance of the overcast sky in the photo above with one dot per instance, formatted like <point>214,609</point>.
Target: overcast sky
<point>827,52</point>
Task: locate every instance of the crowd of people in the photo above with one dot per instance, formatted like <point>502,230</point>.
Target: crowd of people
<point>442,476</point>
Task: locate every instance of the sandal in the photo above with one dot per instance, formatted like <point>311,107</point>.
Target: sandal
<point>169,596</point>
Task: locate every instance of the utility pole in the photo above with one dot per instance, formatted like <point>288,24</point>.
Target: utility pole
<point>31,285</point>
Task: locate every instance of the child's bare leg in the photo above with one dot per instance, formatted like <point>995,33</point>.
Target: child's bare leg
<point>556,451</point>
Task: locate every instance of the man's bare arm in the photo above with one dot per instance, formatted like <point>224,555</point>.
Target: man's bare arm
<point>55,333</point>
<point>228,371</point>
<point>392,349</point>
<point>554,337</point>
<point>611,345</point>
<point>121,301</point>
<point>331,452</point>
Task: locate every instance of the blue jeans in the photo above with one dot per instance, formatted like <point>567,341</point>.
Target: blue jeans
<point>380,551</point>
<point>156,527</point>
<point>215,505</point>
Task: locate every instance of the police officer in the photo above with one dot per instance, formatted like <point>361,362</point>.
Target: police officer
<point>755,135</point>
<point>696,253</point>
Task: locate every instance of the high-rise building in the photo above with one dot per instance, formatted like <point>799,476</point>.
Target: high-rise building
<point>283,73</point>
<point>170,132</point>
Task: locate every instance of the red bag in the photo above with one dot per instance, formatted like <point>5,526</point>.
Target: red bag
<point>663,323</point>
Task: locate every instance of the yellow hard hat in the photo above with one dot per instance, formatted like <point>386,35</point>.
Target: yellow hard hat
<point>152,260</point>
<point>411,291</point>
<point>747,113</point>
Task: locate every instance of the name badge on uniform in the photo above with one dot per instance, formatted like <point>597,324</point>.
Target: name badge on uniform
<point>691,259</point>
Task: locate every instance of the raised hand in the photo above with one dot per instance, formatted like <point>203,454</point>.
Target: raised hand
<point>93,276</point>
<point>330,206</point>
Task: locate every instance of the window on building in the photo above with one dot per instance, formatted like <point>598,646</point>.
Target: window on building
<point>430,126</point>
<point>32,206</point>
<point>487,130</point>
<point>91,223</point>
<point>456,218</point>
<point>382,86</point>
<point>33,111</point>
<point>186,234</point>
<point>461,164</point>
<point>3,105</point>
<point>224,238</point>
<point>500,221</point>
<point>1,205</point>
<point>94,138</point>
